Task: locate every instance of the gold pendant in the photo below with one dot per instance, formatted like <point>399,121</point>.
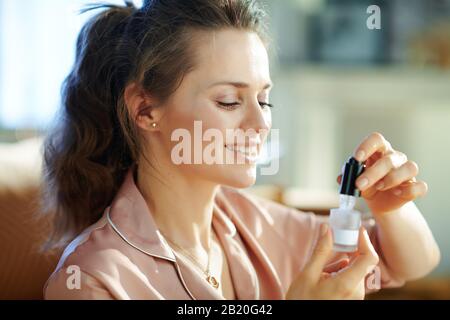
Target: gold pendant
<point>212,281</point>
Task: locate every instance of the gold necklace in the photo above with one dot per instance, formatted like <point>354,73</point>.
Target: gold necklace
<point>209,278</point>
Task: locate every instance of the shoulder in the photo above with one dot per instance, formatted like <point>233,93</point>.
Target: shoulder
<point>72,283</point>
<point>92,247</point>
<point>89,260</point>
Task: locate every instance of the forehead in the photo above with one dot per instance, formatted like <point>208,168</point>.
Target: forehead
<point>232,54</point>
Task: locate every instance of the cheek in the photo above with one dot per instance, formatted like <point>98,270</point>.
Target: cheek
<point>178,115</point>
<point>212,117</point>
<point>196,117</point>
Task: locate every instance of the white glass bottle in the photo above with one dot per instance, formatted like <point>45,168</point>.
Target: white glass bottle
<point>345,221</point>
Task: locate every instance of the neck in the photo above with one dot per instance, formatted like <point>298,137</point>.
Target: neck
<point>183,215</point>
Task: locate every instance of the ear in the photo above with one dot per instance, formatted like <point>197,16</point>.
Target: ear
<point>142,107</point>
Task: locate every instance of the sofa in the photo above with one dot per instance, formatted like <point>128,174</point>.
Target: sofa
<point>23,267</point>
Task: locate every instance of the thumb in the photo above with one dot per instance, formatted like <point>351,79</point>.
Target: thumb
<point>365,261</point>
<point>316,264</point>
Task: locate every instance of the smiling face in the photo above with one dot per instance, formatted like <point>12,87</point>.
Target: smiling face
<point>227,90</point>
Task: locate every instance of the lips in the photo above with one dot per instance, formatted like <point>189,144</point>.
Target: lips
<point>250,153</point>
<point>247,151</point>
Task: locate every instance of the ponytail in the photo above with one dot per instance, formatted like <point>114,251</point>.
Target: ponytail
<point>86,156</point>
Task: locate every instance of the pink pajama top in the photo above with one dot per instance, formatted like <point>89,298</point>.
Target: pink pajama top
<point>124,256</point>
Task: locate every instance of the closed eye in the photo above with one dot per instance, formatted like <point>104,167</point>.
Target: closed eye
<point>234,105</point>
<point>266,104</point>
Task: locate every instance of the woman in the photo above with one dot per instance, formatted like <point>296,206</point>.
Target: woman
<point>150,228</point>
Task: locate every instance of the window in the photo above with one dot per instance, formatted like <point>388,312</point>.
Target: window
<point>37,50</point>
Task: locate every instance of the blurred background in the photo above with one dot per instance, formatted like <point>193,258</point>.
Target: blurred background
<point>336,81</point>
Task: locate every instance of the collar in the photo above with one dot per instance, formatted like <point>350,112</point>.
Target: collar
<point>133,221</point>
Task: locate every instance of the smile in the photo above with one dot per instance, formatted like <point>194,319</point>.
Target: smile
<point>250,153</point>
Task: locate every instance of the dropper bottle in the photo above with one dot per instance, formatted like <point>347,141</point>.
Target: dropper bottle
<point>345,221</point>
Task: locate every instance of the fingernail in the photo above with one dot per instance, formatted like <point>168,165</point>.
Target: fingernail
<point>360,155</point>
<point>323,229</point>
<point>397,192</point>
<point>362,183</point>
<point>380,186</point>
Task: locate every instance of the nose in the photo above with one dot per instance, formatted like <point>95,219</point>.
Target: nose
<point>256,118</point>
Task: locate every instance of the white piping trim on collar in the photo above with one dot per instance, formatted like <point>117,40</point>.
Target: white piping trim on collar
<point>150,254</point>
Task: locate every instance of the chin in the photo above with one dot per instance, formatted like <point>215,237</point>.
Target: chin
<point>241,177</point>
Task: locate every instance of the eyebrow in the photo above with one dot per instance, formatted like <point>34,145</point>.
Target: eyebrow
<point>239,84</point>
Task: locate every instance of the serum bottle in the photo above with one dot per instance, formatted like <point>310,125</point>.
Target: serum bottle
<point>345,221</point>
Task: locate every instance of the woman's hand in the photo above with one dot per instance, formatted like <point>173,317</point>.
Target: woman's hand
<point>389,180</point>
<point>343,280</point>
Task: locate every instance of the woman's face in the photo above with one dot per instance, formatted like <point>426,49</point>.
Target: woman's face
<point>227,91</point>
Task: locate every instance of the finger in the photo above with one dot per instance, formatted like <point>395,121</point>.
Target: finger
<point>339,179</point>
<point>336,266</point>
<point>380,169</point>
<point>373,143</point>
<point>411,190</point>
<point>341,256</point>
<point>364,262</point>
<point>325,275</point>
<point>373,158</point>
<point>405,172</point>
<point>313,269</point>
<point>372,191</point>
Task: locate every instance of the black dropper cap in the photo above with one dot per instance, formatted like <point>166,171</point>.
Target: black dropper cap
<point>352,171</point>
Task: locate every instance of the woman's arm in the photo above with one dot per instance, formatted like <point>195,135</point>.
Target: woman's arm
<point>408,246</point>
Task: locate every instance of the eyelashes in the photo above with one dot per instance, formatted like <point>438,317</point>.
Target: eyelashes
<point>234,105</point>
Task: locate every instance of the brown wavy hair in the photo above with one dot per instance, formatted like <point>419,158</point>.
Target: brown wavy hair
<point>95,141</point>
